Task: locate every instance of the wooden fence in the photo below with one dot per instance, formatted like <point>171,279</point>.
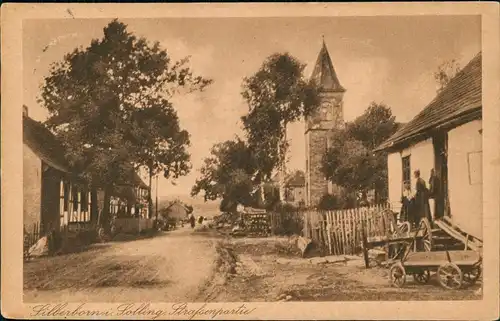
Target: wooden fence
<point>340,232</point>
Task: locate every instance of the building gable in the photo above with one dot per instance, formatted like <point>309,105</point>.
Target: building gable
<point>44,144</point>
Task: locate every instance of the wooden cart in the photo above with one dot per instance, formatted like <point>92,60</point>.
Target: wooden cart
<point>452,268</point>
<point>399,239</point>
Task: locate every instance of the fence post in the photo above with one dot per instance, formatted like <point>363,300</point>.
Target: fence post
<point>352,229</point>
<point>328,231</point>
<point>364,245</point>
<point>335,229</point>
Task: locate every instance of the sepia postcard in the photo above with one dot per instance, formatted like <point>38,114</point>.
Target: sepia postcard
<point>298,161</point>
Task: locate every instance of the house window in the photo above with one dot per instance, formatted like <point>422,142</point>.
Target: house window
<point>76,199</point>
<point>62,202</point>
<point>66,196</point>
<point>85,201</point>
<point>406,170</point>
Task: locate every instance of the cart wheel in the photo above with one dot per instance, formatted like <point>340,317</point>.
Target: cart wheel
<point>422,277</point>
<point>425,230</point>
<point>472,275</point>
<point>398,251</point>
<point>450,276</point>
<point>398,275</point>
<point>405,228</point>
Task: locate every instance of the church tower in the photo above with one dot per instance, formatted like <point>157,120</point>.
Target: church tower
<point>320,125</point>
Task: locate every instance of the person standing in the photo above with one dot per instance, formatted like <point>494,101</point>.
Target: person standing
<point>406,202</point>
<point>421,198</point>
<point>433,193</point>
<point>192,220</point>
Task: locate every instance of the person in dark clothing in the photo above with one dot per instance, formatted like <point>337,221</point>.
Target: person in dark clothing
<point>200,220</point>
<point>192,221</point>
<point>433,193</point>
<point>406,202</point>
<point>421,204</point>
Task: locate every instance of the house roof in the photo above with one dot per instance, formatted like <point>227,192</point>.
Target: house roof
<point>324,73</point>
<point>297,179</point>
<point>134,180</point>
<point>44,144</point>
<point>178,204</point>
<point>461,97</point>
<point>138,181</point>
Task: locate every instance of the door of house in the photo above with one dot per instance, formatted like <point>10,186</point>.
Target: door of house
<point>440,142</point>
<point>49,215</point>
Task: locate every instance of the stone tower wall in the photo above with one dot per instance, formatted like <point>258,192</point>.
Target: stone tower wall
<point>316,182</point>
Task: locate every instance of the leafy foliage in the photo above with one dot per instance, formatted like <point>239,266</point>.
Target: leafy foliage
<point>344,199</point>
<point>277,94</point>
<point>446,71</point>
<point>350,162</point>
<point>109,105</point>
<point>228,174</point>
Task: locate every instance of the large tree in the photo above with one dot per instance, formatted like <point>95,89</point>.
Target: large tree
<point>227,174</point>
<point>350,161</point>
<point>277,95</point>
<point>161,143</point>
<point>109,105</point>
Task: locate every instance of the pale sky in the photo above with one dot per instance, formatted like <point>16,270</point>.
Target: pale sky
<point>381,59</point>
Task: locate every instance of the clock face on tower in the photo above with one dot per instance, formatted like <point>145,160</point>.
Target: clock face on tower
<point>326,110</point>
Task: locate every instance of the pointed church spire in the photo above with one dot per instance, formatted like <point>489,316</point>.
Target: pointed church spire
<point>324,73</point>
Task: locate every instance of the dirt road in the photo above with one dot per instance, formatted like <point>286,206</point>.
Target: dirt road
<point>188,266</point>
<point>269,269</point>
<point>175,266</point>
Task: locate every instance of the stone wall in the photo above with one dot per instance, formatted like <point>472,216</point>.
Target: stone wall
<point>318,185</point>
<point>32,187</point>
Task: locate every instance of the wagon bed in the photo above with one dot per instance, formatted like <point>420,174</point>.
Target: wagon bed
<point>435,259</point>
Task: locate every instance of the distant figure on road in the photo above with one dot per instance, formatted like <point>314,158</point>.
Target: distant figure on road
<point>192,220</point>
<point>200,220</point>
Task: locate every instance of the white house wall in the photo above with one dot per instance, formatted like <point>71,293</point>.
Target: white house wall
<point>32,187</point>
<point>421,157</point>
<point>465,177</point>
<point>395,179</point>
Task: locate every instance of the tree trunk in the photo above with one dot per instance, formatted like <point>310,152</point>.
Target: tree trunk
<point>150,200</point>
<point>282,170</point>
<point>262,194</point>
<point>156,199</point>
<point>104,219</point>
<point>94,207</point>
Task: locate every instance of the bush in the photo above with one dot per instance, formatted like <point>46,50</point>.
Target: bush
<point>289,219</point>
<point>284,207</point>
<point>329,202</point>
<point>342,200</point>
